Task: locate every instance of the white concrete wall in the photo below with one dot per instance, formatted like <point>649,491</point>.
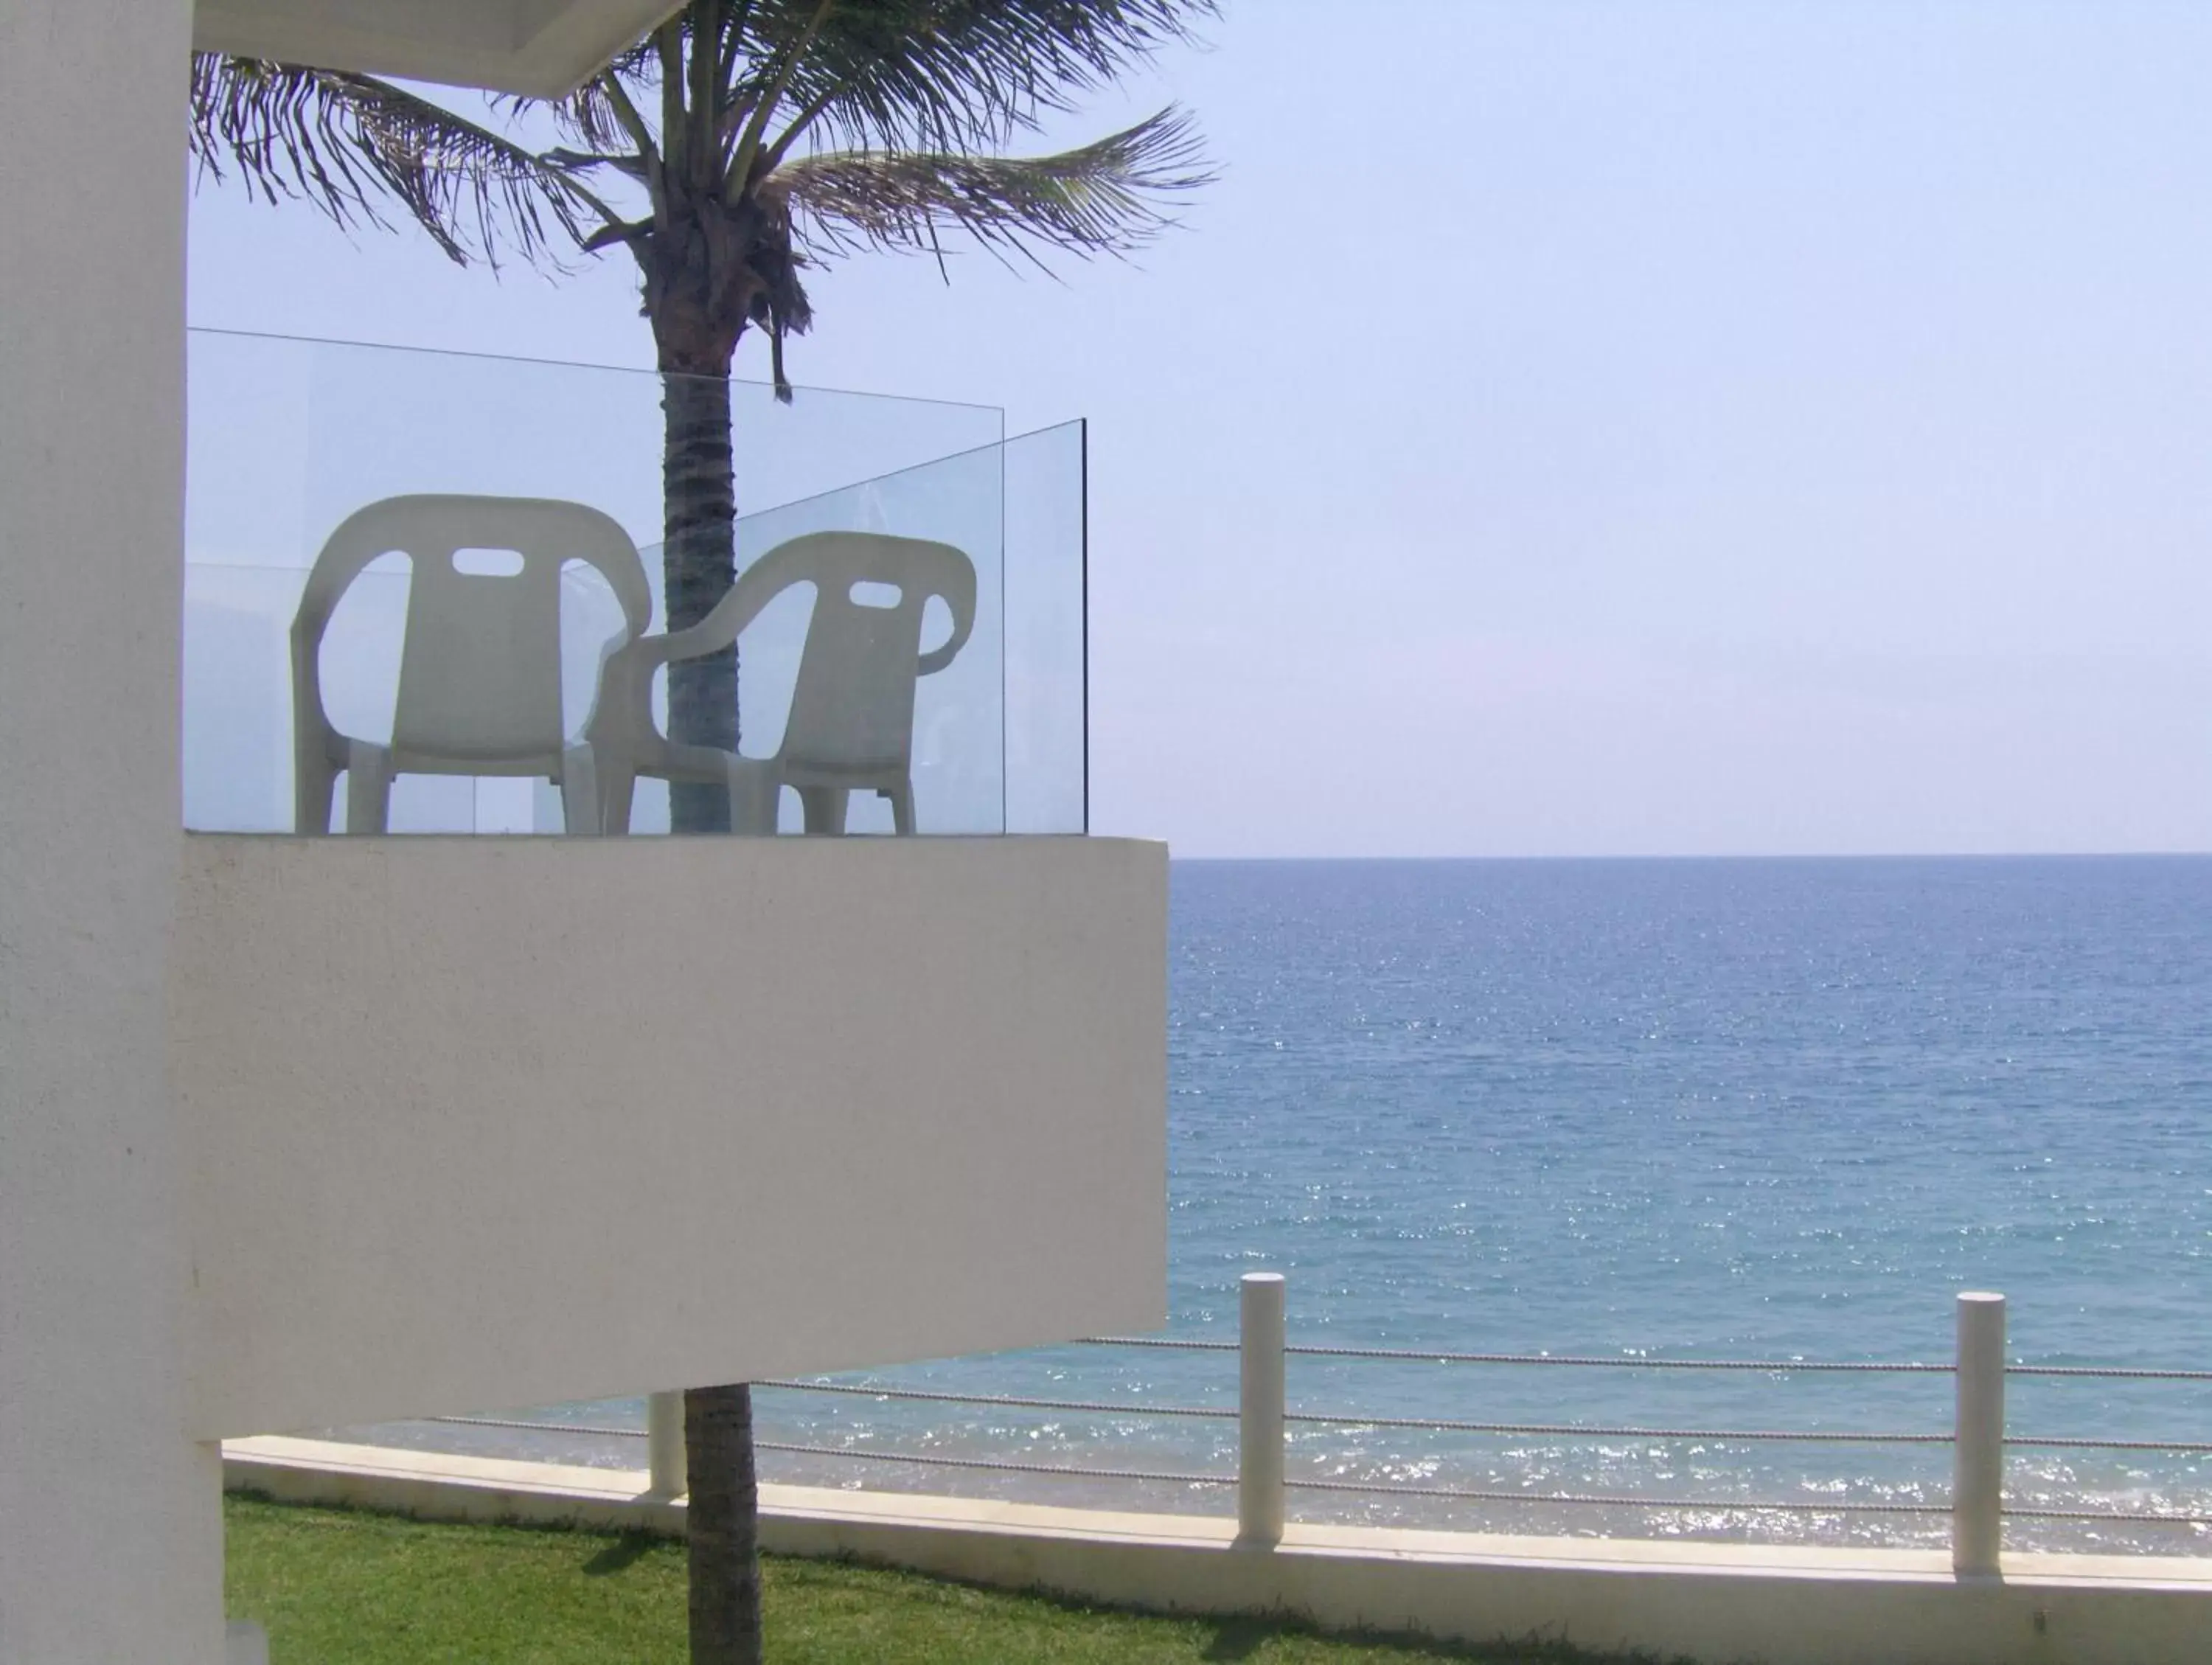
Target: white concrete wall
<point>484,1122</point>
<point>109,1533</point>
<point>1718,1604</point>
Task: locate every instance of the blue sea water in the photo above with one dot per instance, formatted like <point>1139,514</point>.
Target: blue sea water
<point>1767,1109</point>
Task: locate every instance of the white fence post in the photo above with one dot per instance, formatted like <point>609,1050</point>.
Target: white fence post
<point>664,1444</point>
<point>1978,1468</point>
<point>1259,1410</point>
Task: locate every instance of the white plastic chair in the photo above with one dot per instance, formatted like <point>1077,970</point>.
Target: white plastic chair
<point>480,663</point>
<point>851,726</point>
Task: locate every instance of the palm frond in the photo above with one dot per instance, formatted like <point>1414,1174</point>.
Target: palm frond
<point>586,118</point>
<point>352,144</point>
<point>628,163</point>
<point>1109,197</point>
<point>952,75</point>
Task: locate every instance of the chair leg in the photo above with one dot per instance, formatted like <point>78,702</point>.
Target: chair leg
<point>617,788</point>
<point>368,789</point>
<point>825,807</point>
<point>754,789</point>
<point>581,811</point>
<point>314,781</point>
<point>902,797</point>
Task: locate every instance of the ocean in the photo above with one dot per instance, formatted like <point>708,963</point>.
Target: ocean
<point>1674,1109</point>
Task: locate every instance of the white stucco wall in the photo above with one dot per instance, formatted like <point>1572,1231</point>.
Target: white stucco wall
<point>484,1122</point>
<point>110,1532</point>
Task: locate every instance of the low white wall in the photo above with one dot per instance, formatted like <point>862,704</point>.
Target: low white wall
<point>1713,1602</point>
<point>483,1122</point>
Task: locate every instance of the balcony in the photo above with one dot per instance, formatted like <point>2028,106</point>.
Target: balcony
<point>289,438</point>
<point>475,1116</point>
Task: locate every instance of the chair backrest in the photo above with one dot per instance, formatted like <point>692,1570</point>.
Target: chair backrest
<point>480,664</point>
<point>852,706</point>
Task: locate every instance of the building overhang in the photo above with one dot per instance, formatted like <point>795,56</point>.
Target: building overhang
<point>541,48</point>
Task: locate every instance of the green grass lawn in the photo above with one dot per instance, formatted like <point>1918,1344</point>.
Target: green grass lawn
<point>338,1587</point>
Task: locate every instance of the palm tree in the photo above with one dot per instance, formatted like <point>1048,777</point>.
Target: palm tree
<point>740,144</point>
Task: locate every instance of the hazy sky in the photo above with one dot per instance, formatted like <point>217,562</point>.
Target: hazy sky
<point>1580,429</point>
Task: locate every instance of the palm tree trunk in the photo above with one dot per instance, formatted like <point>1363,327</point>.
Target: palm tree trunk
<point>699,559</point>
<point>724,1527</point>
<point>699,507</point>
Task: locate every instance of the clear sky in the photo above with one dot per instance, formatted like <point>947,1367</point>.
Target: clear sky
<point>1580,427</point>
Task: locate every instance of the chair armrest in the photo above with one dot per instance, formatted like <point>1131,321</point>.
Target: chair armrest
<point>960,595</point>
<point>622,712</point>
<point>938,658</point>
<point>621,719</point>
<point>725,621</point>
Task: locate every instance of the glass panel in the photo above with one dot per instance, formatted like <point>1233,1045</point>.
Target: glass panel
<point>238,697</point>
<point>1048,714</point>
<point>288,437</point>
<point>959,711</point>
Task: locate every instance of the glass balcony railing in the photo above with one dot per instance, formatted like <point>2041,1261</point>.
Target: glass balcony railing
<point>910,596</point>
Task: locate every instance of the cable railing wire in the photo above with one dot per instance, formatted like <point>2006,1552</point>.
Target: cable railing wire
<point>1013,1402</point>
<point>1985,1379</point>
<point>2108,1372</point>
<point>1431,1356</point>
<point>999,1464</point>
<point>2132,1517</point>
<point>1182,1344</point>
<point>1352,1419</point>
<point>1399,1488</point>
<point>1470,1494</point>
<point>925,1460</point>
<point>1448,1425</point>
<point>2069,1444</point>
<point>538,1427</point>
<point>1392,1487</point>
<point>1589,1431</point>
<point>1622,1500</point>
<point>1435,1424</point>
